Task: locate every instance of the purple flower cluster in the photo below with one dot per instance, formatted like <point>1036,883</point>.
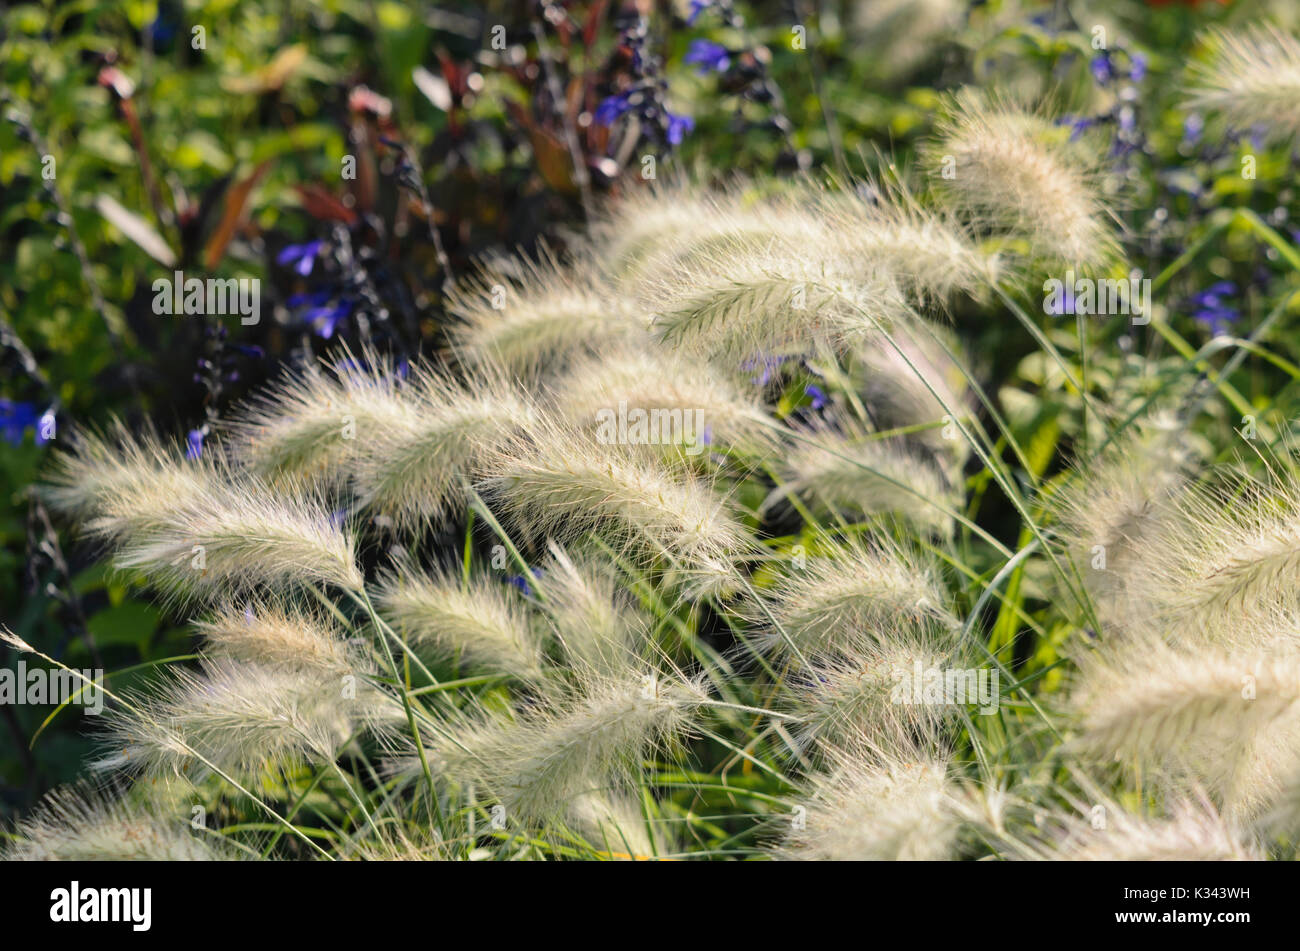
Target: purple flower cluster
<point>18,417</point>
<point>1210,307</point>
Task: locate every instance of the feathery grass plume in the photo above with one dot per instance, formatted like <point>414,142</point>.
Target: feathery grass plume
<point>479,622</point>
<point>1229,553</point>
<point>116,486</point>
<point>666,388</point>
<point>1192,831</point>
<point>14,641</point>
<point>872,806</point>
<point>853,594</point>
<point>196,528</point>
<point>897,397</point>
<point>1011,169</point>
<point>1259,788</point>
<point>903,34</point>
<point>590,736</point>
<point>1252,79</point>
<point>81,824</point>
<point>652,233</point>
<point>931,254</point>
<point>236,535</point>
<point>650,230</point>
<point>278,635</point>
<point>852,472</point>
<point>592,616</point>
<point>1110,514</point>
<point>856,692</point>
<point>730,305</point>
<point>549,318</point>
<point>1198,712</point>
<point>1275,774</point>
<point>613,824</point>
<point>243,718</point>
<point>308,426</point>
<point>416,467</point>
<point>564,484</point>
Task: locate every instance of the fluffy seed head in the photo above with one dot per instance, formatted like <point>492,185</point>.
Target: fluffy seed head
<point>612,823</point>
<point>242,718</point>
<point>416,468</point>
<point>116,486</point>
<point>1199,712</point>
<point>853,473</point>
<point>1192,831</point>
<point>1252,79</point>
<point>897,397</point>
<point>730,306</point>
<point>931,255</point>
<point>80,824</point>
<point>1015,170</point>
<point>480,622</point>
<point>277,635</point>
<point>591,616</point>
<point>309,426</point>
<point>1110,516</point>
<point>584,740</point>
<point>237,536</point>
<point>867,809</point>
<point>651,382</point>
<point>565,484</point>
<point>541,323</point>
<point>853,594</point>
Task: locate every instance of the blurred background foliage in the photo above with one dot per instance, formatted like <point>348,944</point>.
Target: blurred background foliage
<point>215,138</point>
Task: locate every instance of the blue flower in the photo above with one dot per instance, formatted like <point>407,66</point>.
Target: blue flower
<point>1212,310</point>
<point>819,398</point>
<point>521,581</point>
<point>697,7</point>
<point>678,127</point>
<point>709,56</point>
<point>1137,69</point>
<point>16,419</point>
<point>160,31</point>
<point>301,256</point>
<point>612,107</point>
<point>324,320</point>
<point>1078,125</point>
<point>1101,69</point>
<point>1192,127</point>
<point>767,363</point>
<point>314,298</point>
<point>194,443</point>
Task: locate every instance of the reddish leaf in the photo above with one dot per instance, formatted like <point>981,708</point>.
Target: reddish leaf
<point>234,214</point>
<point>323,206</point>
<point>595,16</point>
